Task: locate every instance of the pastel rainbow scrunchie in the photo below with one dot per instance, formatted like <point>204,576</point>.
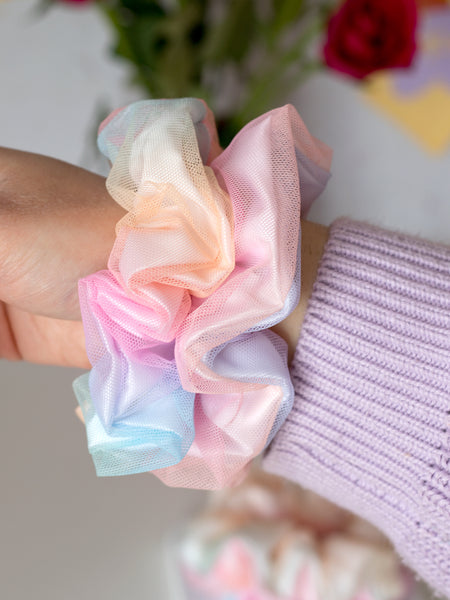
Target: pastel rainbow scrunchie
<point>187,379</point>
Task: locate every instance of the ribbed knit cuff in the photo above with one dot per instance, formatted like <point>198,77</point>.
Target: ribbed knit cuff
<point>370,425</point>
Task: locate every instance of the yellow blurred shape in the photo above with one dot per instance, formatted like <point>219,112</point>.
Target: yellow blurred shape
<point>425,114</point>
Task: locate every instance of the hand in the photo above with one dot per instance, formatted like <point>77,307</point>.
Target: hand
<point>57,224</point>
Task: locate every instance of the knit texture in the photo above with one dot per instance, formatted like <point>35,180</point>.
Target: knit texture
<point>370,425</point>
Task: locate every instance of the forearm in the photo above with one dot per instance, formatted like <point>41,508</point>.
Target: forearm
<point>369,427</point>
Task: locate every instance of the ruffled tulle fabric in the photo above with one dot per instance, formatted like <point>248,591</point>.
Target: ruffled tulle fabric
<point>176,240</point>
<point>231,429</point>
<point>136,412</point>
<point>261,171</point>
<point>187,379</point>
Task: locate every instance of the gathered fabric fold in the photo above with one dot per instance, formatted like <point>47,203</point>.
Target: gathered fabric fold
<point>136,411</point>
<point>187,379</point>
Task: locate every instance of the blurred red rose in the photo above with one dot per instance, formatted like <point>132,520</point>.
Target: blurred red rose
<point>367,35</point>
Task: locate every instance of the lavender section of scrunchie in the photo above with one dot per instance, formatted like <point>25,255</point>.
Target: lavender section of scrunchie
<point>137,414</point>
<point>258,357</point>
<point>152,438</point>
<point>233,428</point>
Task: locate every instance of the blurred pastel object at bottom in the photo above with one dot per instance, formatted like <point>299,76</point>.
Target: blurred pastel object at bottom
<point>270,540</point>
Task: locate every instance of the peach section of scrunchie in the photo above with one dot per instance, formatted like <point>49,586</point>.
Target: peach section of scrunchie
<point>178,232</point>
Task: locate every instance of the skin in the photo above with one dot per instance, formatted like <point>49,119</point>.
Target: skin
<point>57,224</point>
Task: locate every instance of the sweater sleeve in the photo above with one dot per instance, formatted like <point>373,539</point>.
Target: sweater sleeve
<point>370,426</point>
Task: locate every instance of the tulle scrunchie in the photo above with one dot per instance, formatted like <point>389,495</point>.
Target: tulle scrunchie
<point>187,379</point>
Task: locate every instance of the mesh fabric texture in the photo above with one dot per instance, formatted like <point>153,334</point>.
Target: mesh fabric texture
<point>187,380</point>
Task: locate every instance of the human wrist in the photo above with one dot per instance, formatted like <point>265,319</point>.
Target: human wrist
<point>313,241</point>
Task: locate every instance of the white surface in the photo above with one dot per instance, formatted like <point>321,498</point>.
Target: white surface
<point>66,535</point>
<point>379,173</point>
<point>56,76</point>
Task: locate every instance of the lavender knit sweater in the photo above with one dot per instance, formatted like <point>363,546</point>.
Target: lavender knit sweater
<point>370,427</point>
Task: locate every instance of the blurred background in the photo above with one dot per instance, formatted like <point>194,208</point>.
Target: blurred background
<point>64,533</point>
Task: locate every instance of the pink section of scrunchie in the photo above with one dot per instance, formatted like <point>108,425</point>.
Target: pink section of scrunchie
<point>260,172</point>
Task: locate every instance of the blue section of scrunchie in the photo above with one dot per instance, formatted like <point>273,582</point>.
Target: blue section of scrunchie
<point>158,435</point>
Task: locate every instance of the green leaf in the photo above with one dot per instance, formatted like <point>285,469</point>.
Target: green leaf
<point>233,36</point>
<point>286,12</point>
<point>142,7</point>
